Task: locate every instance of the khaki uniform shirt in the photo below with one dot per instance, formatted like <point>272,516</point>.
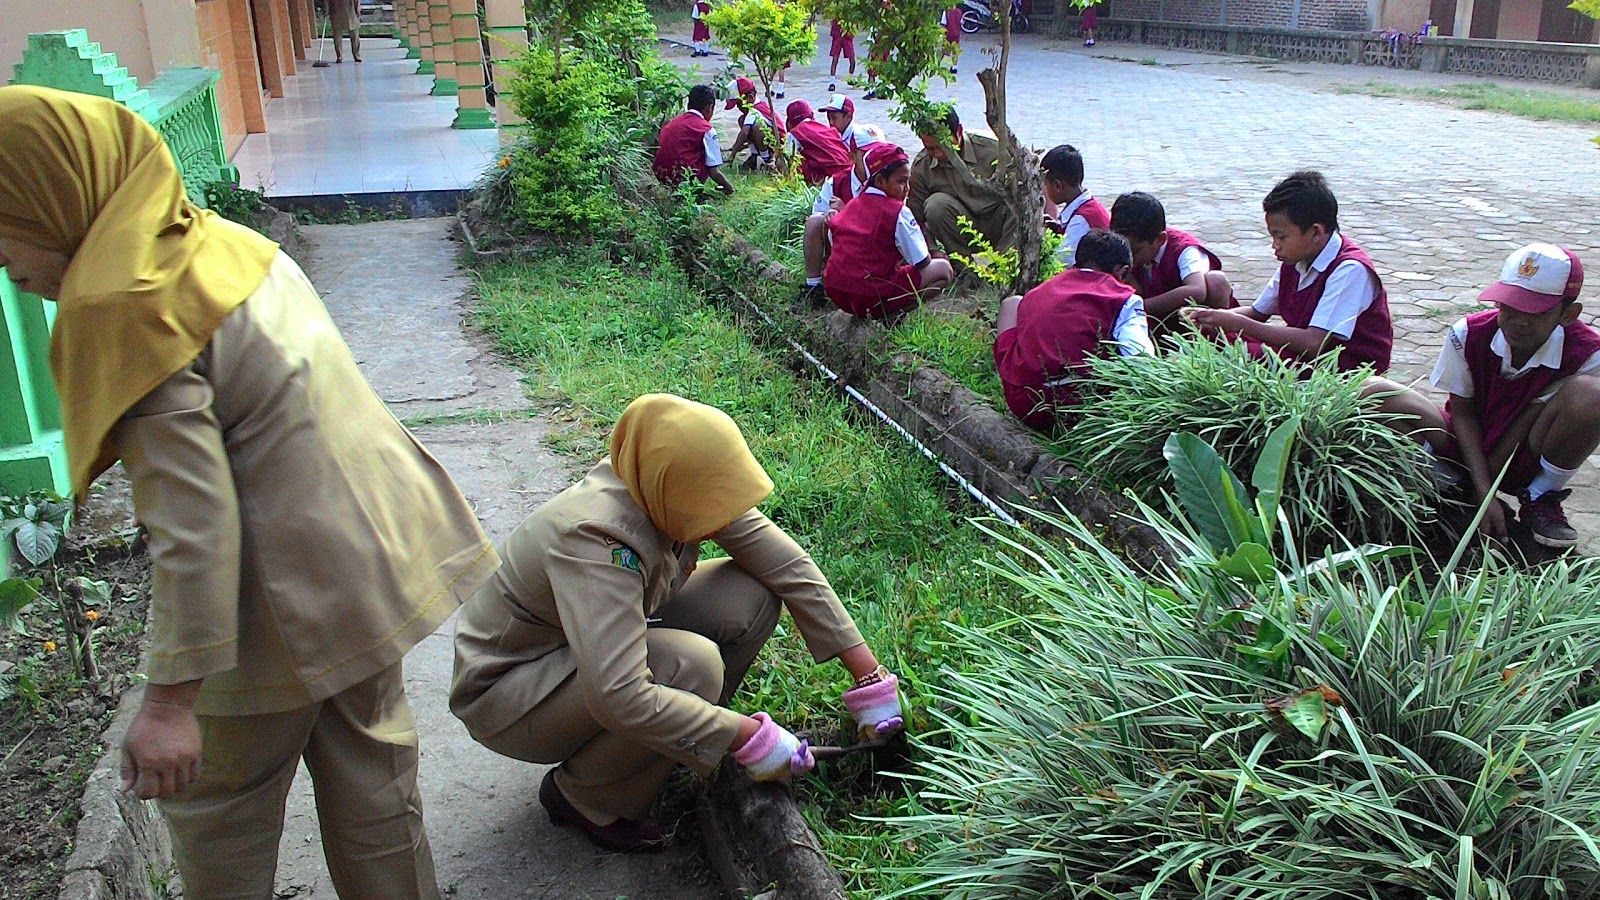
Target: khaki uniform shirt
<point>581,576</point>
<point>929,176</point>
<point>302,540</point>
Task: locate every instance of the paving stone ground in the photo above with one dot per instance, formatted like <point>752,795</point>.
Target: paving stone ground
<point>400,300</point>
<point>1437,195</point>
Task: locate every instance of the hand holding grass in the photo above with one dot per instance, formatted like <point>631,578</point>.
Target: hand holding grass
<point>1227,321</point>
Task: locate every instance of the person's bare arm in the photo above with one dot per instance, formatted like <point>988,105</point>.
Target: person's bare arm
<point>1190,293</point>
<point>1248,323</point>
<point>722,180</point>
<point>1466,428</point>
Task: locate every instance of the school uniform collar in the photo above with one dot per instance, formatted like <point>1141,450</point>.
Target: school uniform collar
<point>873,190</point>
<point>1548,355</point>
<point>700,114</point>
<point>1077,201</point>
<point>1324,259</point>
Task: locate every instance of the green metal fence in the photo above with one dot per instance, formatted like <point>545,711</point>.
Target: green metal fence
<point>182,105</point>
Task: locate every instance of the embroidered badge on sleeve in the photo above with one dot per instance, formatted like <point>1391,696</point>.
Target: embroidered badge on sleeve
<point>623,555</point>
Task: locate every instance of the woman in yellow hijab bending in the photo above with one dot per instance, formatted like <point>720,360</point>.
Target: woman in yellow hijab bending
<point>301,541</point>
<point>603,646</point>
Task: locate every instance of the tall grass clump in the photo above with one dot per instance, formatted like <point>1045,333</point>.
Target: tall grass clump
<point>770,212</point>
<point>1352,477</point>
<point>1127,739</point>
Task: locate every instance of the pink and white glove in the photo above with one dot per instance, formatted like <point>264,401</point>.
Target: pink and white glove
<point>876,708</point>
<point>773,754</point>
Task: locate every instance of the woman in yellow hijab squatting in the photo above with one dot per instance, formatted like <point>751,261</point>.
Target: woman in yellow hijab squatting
<point>301,541</point>
<point>602,645</point>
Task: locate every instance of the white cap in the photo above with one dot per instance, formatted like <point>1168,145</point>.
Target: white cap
<point>868,135</point>
<point>1536,278</point>
<point>839,103</point>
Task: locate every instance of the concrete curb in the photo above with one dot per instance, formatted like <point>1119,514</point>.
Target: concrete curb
<point>122,847</point>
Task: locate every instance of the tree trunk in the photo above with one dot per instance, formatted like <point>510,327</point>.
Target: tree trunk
<point>1017,176</point>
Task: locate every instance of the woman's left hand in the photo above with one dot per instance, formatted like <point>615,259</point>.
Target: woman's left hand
<point>876,707</point>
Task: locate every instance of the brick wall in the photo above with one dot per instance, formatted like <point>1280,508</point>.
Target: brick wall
<point>1347,15</point>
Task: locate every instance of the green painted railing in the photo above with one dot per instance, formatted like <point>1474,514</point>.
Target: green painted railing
<point>182,105</point>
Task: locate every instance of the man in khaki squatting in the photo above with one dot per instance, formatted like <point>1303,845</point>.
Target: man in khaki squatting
<point>941,194</point>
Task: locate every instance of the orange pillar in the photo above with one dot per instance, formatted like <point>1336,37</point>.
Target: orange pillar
<point>507,22</point>
<point>472,105</point>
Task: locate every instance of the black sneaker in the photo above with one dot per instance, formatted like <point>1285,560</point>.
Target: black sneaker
<point>1547,520</point>
<point>812,294</point>
<point>621,836</point>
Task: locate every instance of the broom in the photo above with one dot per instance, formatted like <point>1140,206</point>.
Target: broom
<point>322,44</point>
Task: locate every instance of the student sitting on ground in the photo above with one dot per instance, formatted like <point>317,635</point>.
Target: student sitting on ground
<point>1524,386</point>
<point>1326,290</point>
<point>759,128</point>
<point>880,264</point>
<point>820,150</point>
<point>1069,210</point>
<point>841,113</point>
<point>688,143</point>
<point>1171,268</point>
<point>836,192</point>
<point>1047,336</point>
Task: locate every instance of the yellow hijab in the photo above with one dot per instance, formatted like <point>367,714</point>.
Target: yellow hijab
<point>152,275</point>
<point>687,464</point>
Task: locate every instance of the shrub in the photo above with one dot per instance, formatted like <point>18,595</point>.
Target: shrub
<point>1412,741</point>
<point>1352,477</point>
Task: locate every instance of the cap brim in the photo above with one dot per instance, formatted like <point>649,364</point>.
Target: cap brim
<point>1519,298</point>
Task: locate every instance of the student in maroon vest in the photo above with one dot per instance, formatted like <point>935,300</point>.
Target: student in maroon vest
<point>1523,381</point>
<point>702,31</point>
<point>1171,268</point>
<point>759,128</point>
<point>840,43</point>
<point>880,264</point>
<point>1326,290</point>
<point>1047,336</point>
<point>1069,210</point>
<point>820,150</point>
<point>688,144</point>
<point>836,192</point>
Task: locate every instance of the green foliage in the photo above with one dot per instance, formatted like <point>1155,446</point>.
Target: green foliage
<point>1123,740</point>
<point>958,345</point>
<point>16,595</point>
<point>1351,478</point>
<point>239,204</point>
<point>996,267</point>
<point>908,49</point>
<point>35,524</point>
<point>1532,103</point>
<point>771,214</point>
<point>1590,8</point>
<point>764,34</point>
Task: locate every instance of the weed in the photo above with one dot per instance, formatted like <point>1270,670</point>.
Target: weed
<point>1530,103</point>
<point>958,345</point>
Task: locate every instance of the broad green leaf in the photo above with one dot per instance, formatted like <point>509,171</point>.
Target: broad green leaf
<point>1306,711</point>
<point>95,593</point>
<point>37,541</point>
<point>15,595</point>
<point>1209,493</point>
<point>1251,563</point>
<point>1271,468</point>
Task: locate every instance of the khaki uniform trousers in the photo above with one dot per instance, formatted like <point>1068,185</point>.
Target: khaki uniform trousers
<point>942,210</point>
<point>708,635</point>
<point>360,746</point>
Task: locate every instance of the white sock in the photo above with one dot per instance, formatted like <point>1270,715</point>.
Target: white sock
<point>813,282</point>
<point>1444,474</point>
<point>1551,478</point>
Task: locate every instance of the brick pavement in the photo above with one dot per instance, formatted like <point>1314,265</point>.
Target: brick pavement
<point>1437,195</point>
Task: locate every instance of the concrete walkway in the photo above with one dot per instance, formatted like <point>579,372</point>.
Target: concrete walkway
<point>398,296</point>
<point>1437,195</point>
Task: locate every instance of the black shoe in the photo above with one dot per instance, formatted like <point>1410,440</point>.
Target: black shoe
<point>621,836</point>
<point>1547,520</point>
<point>812,294</point>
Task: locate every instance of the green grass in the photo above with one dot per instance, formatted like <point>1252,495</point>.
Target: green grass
<point>959,345</point>
<point>1529,103</point>
<point>875,516</point>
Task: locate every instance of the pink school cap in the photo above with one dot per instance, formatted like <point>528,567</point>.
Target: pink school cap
<point>742,87</point>
<point>1536,279</point>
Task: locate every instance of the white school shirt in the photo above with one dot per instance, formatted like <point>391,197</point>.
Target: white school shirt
<point>1453,374</point>
<point>713,149</point>
<point>824,201</point>
<point>907,234</point>
<point>1190,261</point>
<point>1350,289</point>
<point>1077,226</point>
<point>851,136</point>
<point>1131,334</point>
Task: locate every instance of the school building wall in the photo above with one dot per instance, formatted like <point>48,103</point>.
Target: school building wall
<point>1343,15</point>
<point>1510,20</point>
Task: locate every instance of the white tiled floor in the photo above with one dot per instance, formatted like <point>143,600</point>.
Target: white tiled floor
<point>367,128</point>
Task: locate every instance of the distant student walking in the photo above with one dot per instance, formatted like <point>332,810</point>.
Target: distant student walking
<point>840,43</point>
<point>702,31</point>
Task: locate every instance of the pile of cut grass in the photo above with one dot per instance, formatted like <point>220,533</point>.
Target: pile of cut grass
<point>876,517</point>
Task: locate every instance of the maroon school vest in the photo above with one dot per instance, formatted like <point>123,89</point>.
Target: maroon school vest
<point>1094,212</point>
<point>1500,400</point>
<point>702,31</point>
<point>863,242</point>
<point>822,152</point>
<point>1373,337</point>
<point>682,146</point>
<point>764,110</point>
<point>1060,325</point>
<point>1164,275</point>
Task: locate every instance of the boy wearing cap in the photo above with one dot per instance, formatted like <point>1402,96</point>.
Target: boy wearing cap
<point>840,43</point>
<point>880,264</point>
<point>759,128</point>
<point>1069,210</point>
<point>1326,291</point>
<point>1046,337</point>
<point>841,113</point>
<point>1523,381</point>
<point>820,150</point>
<point>688,143</point>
